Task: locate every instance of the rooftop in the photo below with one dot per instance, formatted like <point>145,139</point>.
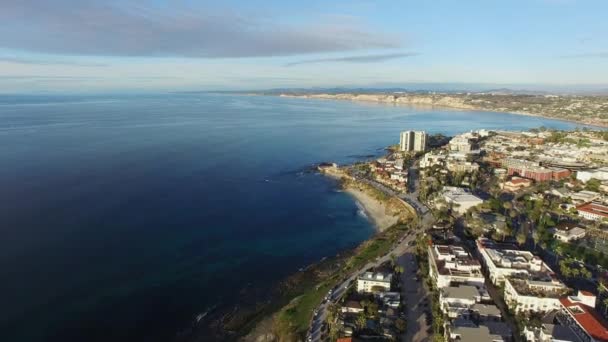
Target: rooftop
<point>594,208</point>
<point>460,292</point>
<point>587,318</point>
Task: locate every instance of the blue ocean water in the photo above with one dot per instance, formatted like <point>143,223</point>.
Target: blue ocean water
<point>123,217</point>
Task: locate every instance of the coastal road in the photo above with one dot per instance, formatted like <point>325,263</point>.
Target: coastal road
<point>414,291</point>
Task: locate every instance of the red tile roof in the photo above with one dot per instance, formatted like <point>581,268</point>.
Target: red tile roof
<point>345,339</point>
<point>593,208</point>
<point>588,319</point>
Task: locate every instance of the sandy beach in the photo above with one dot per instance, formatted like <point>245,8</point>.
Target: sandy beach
<point>374,209</point>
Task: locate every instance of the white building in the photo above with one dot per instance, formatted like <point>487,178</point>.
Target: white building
<point>538,293</point>
<point>550,333</point>
<point>584,196</point>
<point>415,141</point>
<point>451,265</point>
<point>599,174</point>
<point>461,198</point>
<point>370,282</point>
<point>503,261</point>
<point>568,233</point>
<point>431,159</point>
<point>460,143</point>
<point>457,301</point>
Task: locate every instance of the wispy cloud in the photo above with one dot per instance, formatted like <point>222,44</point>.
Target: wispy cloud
<point>32,61</point>
<point>141,28</point>
<point>587,55</point>
<point>357,59</point>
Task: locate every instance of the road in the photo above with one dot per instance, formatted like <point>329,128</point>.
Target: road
<point>413,291</point>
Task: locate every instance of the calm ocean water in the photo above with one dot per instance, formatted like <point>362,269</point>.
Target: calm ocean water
<point>123,217</point>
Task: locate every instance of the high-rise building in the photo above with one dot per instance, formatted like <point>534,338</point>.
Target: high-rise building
<point>413,141</point>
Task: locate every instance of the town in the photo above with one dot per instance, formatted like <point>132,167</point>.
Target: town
<point>509,242</point>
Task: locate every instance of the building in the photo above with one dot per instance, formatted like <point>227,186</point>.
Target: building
<point>460,198</point>
<point>503,260</point>
<point>515,184</point>
<point>451,265</point>
<point>370,282</point>
<point>536,173</point>
<point>578,313</point>
<point>462,166</point>
<point>413,141</point>
<point>593,211</point>
<point>599,174</point>
<point>584,196</point>
<point>566,232</point>
<point>460,143</point>
<point>431,159</point>
<point>534,293</point>
<point>463,330</point>
<point>550,333</point>
<point>457,301</point>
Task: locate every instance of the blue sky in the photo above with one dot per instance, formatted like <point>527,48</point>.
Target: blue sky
<point>141,45</point>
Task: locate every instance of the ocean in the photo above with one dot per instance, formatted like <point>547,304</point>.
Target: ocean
<point>124,217</point>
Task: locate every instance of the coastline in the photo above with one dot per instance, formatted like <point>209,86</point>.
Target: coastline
<point>448,104</point>
<point>375,210</point>
<point>315,280</point>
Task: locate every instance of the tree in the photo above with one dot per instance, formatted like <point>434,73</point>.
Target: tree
<point>507,206</point>
<point>521,237</point>
<point>559,251</point>
<point>536,237</point>
<point>593,185</point>
<point>361,321</point>
<point>401,325</point>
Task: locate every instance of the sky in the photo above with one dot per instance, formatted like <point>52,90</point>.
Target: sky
<point>182,45</point>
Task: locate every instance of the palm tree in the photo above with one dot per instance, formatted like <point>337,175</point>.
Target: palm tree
<point>521,238</point>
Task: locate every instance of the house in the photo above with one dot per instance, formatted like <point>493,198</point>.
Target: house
<point>370,282</point>
<point>599,174</point>
<point>486,312</point>
<point>352,306</point>
<point>515,184</point>
<point>568,232</point>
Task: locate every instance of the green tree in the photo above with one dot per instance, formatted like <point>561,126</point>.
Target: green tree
<point>361,321</point>
<point>401,325</point>
<point>521,237</point>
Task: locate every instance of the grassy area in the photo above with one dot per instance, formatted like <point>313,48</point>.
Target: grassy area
<point>292,321</point>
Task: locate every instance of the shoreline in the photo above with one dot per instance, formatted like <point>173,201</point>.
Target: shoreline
<point>383,99</point>
<point>375,210</point>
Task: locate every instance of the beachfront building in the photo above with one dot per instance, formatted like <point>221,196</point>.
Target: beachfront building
<point>461,199</point>
<point>370,282</point>
<point>451,265</point>
<point>413,141</point>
